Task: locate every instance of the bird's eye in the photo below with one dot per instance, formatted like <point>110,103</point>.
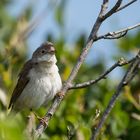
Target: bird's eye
<point>43,51</point>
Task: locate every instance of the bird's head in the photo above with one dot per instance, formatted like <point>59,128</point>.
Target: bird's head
<point>45,53</point>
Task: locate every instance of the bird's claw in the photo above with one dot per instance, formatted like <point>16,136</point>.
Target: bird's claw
<point>60,95</point>
<point>43,121</point>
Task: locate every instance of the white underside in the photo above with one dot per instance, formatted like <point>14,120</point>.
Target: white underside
<point>41,88</point>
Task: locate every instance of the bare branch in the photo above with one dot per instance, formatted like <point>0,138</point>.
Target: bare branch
<point>93,35</point>
<point>117,34</point>
<point>73,74</point>
<point>131,72</point>
<point>97,25</point>
<point>126,5</point>
<point>103,8</point>
<point>121,62</point>
<point>118,8</point>
<point>113,10</point>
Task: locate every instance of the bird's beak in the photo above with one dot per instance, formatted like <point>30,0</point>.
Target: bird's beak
<point>52,50</point>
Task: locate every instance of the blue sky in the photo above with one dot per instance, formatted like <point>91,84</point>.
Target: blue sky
<point>79,18</point>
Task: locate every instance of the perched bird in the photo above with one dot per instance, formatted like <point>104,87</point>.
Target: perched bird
<point>39,80</point>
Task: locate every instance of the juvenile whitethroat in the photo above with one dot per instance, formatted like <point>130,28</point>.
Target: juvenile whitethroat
<point>39,80</point>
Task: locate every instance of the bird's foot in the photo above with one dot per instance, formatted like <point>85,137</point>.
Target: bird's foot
<point>60,95</point>
<point>42,120</point>
<point>38,117</point>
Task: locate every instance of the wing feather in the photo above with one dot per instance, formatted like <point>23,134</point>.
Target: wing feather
<point>22,82</point>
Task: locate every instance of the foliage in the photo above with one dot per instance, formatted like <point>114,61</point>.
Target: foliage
<point>78,114</point>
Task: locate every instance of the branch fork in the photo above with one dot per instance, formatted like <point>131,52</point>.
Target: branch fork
<point>103,15</point>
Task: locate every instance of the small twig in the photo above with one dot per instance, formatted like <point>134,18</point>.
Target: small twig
<point>131,72</point>
<point>117,7</point>
<point>113,10</point>
<point>96,26</point>
<point>126,5</point>
<point>30,125</point>
<point>103,8</point>
<point>121,62</point>
<point>136,116</point>
<point>117,34</point>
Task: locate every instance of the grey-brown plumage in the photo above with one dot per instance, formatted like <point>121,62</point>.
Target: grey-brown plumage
<point>22,82</point>
<point>38,80</point>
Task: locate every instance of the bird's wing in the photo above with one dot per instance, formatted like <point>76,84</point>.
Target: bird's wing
<point>22,82</point>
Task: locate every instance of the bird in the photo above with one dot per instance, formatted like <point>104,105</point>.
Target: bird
<point>38,81</point>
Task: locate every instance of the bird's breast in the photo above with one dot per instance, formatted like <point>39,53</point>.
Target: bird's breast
<point>41,88</point>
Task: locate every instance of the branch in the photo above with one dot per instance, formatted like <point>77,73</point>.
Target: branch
<point>117,7</point>
<point>131,72</point>
<point>93,35</point>
<point>120,63</point>
<point>104,7</point>
<point>126,5</point>
<point>113,10</point>
<point>41,127</point>
<point>117,34</point>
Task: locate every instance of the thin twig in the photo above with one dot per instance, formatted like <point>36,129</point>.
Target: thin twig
<point>30,125</point>
<point>121,62</point>
<point>117,34</point>
<point>113,10</point>
<point>103,8</point>
<point>131,72</point>
<point>117,7</point>
<point>126,5</point>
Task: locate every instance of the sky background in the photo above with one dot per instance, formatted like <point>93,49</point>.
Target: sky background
<point>79,18</point>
